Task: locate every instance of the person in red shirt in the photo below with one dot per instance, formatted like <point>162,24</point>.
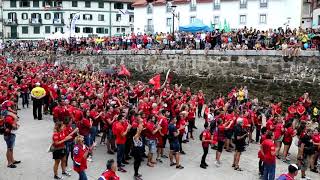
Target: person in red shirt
<point>316,143</point>
<point>150,133</point>
<point>110,173</point>
<point>221,138</point>
<point>162,134</point>
<point>24,93</point>
<point>278,135</point>
<point>200,103</point>
<point>191,119</point>
<point>289,133</point>
<point>10,124</point>
<point>81,153</point>
<point>121,131</point>
<point>59,150</point>
<point>268,150</point>
<point>206,140</point>
<point>260,156</point>
<point>181,124</point>
<point>84,126</point>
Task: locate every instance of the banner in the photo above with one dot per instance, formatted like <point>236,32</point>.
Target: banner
<point>73,23</point>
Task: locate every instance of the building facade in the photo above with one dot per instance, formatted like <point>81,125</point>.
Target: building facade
<point>260,14</point>
<point>316,14</point>
<point>36,19</point>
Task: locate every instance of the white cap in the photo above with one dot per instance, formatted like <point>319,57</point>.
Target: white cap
<point>37,84</point>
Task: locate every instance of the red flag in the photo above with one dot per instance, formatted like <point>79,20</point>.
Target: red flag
<point>124,71</point>
<point>155,81</point>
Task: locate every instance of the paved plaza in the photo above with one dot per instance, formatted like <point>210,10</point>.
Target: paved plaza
<point>34,137</point>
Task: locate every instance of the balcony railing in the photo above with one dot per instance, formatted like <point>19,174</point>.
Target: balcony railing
<point>58,22</point>
<point>193,8</point>
<point>243,6</point>
<point>35,21</point>
<point>11,22</point>
<point>149,28</point>
<point>263,5</point>
<point>216,6</point>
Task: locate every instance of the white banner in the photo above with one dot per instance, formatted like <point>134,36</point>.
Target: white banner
<point>73,23</point>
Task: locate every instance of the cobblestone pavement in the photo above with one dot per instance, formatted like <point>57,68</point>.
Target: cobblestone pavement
<point>34,137</point>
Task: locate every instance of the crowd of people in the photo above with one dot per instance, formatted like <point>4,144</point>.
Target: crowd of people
<point>140,120</point>
<point>290,41</point>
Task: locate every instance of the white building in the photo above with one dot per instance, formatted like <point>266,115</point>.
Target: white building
<point>35,19</point>
<point>260,14</point>
<point>316,14</point>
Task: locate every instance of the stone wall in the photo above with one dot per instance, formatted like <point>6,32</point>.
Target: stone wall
<point>261,70</point>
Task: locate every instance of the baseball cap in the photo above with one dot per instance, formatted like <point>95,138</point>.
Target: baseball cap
<point>293,168</point>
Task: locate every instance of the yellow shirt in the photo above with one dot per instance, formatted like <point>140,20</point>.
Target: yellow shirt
<point>240,95</point>
<point>315,111</point>
<point>38,92</point>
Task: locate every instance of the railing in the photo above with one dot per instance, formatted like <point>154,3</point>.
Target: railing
<point>11,22</point>
<point>35,21</point>
<point>58,21</point>
<point>149,28</point>
<point>193,7</point>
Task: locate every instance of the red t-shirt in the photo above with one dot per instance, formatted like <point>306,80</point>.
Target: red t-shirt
<point>278,130</point>
<point>80,162</point>
<point>150,127</point>
<point>181,123</point>
<point>207,136</point>
<point>221,135</point>
<point>109,175</point>
<point>288,135</point>
<point>120,129</point>
<point>268,146</point>
<point>164,125</point>
<point>58,136</point>
<point>84,127</point>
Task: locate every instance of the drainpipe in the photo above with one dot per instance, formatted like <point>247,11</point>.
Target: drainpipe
<point>110,28</point>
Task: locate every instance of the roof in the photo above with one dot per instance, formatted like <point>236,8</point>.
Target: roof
<point>162,2</point>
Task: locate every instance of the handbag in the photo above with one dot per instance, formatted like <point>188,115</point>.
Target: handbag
<point>51,148</point>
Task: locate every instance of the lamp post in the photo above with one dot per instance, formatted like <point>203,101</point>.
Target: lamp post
<point>173,8</point>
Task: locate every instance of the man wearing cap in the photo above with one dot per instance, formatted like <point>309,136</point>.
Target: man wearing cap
<point>37,94</point>
<point>292,172</point>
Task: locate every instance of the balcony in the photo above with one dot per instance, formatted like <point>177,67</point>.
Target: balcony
<point>58,22</point>
<point>35,21</point>
<point>216,6</point>
<point>149,28</point>
<point>11,22</point>
<point>193,8</point>
<point>243,6</point>
<point>264,5</point>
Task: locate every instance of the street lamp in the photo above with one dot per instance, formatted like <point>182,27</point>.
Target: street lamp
<point>173,8</point>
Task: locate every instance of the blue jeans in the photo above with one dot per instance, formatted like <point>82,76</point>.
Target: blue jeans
<point>93,134</point>
<point>82,175</point>
<point>269,171</point>
<point>120,154</point>
<point>87,140</point>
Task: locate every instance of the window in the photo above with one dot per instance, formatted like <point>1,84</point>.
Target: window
<point>35,3</point>
<point>106,31</point>
<point>47,29</point>
<point>77,30</point>
<point>149,22</point>
<point>118,30</point>
<point>130,7</point>
<point>87,17</point>
<point>216,20</point>
<point>74,3</point>
<point>216,4</point>
<point>131,18</point>
<point>25,29</point>
<point>169,22</point>
<point>319,20</point>
<point>263,3</point>
<point>243,19</point>
<point>12,15</point>
<point>87,30</point>
<point>193,5</point>
<point>13,3</point>
<point>118,5</point>
<point>149,9</point>
<point>123,30</point>
<point>100,30</point>
<point>192,19</point>
<point>100,17</point>
<point>47,16</point>
<point>24,3</point>
<point>101,4</point>
<point>72,14</point>
<point>24,16</point>
<point>118,17</point>
<point>36,30</point>
<point>263,19</point>
<point>58,29</point>
<point>87,4</point>
<point>168,7</point>
<point>243,4</point>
